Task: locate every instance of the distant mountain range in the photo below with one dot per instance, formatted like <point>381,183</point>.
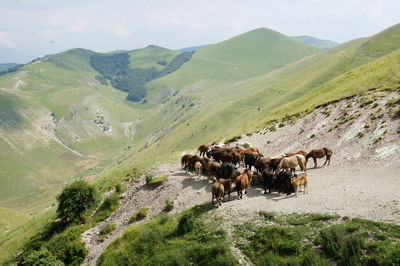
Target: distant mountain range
<point>319,43</point>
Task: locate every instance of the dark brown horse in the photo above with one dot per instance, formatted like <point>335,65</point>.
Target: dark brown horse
<point>320,153</point>
<point>203,149</point>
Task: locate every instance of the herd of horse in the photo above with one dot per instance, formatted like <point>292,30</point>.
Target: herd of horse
<point>242,165</point>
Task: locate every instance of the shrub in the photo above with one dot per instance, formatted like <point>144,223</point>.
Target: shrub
<point>148,178</point>
<point>360,134</point>
<point>109,205</point>
<point>169,205</point>
<point>267,215</point>
<point>141,214</point>
<point>106,231</point>
<point>312,136</point>
<point>374,105</point>
<point>42,257</point>
<point>74,201</point>
<point>118,188</point>
<point>187,223</point>
<point>67,246</point>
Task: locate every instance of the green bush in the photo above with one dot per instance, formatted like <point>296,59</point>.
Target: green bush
<point>169,205</point>
<point>74,201</point>
<point>42,257</point>
<point>106,231</point>
<point>67,246</point>
<point>109,205</point>
<point>148,177</point>
<point>187,223</point>
<point>140,215</point>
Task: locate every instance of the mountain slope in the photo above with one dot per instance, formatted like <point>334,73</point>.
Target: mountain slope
<point>57,123</point>
<point>233,108</point>
<point>319,43</point>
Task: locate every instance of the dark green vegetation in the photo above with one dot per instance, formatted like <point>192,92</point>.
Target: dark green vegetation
<point>183,239</point>
<point>109,205</point>
<point>60,239</point>
<point>319,239</point>
<point>8,67</point>
<point>321,44</point>
<point>74,201</point>
<point>115,68</point>
<point>140,215</point>
<point>106,231</point>
<point>169,205</point>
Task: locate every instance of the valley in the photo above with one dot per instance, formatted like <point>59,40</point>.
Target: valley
<point>60,122</point>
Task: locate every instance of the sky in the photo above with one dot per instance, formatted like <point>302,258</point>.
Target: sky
<point>34,28</point>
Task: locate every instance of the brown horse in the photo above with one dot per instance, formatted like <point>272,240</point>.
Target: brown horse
<point>320,153</point>
<point>242,182</point>
<point>291,163</point>
<point>301,152</point>
<point>218,192</point>
<point>203,149</point>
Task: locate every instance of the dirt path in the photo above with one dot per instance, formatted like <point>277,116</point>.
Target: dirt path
<point>185,189</point>
<point>362,181</point>
<point>349,190</point>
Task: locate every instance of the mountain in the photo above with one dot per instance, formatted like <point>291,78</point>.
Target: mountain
<point>59,123</point>
<point>319,43</point>
<point>192,48</point>
<point>7,66</point>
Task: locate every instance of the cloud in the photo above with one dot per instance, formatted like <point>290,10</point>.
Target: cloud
<point>121,31</point>
<point>5,40</point>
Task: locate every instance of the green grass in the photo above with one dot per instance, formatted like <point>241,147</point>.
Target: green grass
<point>318,239</point>
<point>106,231</point>
<point>160,242</point>
<point>159,179</point>
<point>109,205</point>
<point>139,215</point>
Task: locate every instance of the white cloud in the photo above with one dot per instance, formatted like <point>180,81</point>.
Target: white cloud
<point>121,31</point>
<point>5,40</point>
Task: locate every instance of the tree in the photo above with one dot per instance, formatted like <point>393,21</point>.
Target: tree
<point>74,200</point>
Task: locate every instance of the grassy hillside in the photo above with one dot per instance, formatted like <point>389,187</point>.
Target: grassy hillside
<point>149,56</point>
<point>319,43</point>
<point>232,108</point>
<point>58,123</point>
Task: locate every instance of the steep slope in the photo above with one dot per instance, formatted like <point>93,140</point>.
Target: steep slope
<point>319,43</point>
<point>57,122</point>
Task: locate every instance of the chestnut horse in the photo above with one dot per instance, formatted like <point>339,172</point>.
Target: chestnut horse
<point>320,153</point>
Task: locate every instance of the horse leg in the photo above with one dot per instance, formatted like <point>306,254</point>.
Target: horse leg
<point>326,159</point>
<point>315,162</point>
<point>329,160</point>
